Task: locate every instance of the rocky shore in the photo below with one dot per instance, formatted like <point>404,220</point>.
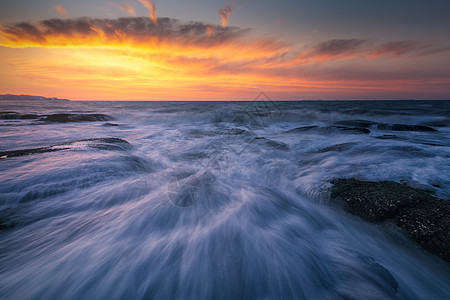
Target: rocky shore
<point>423,217</point>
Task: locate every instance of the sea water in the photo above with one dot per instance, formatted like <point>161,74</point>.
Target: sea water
<point>224,200</point>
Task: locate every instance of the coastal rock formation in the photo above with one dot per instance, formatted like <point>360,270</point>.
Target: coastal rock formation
<point>114,144</point>
<point>424,218</point>
<point>29,97</point>
<point>364,124</point>
<point>58,118</point>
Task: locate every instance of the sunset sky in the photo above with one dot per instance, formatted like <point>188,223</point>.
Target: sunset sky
<point>221,50</point>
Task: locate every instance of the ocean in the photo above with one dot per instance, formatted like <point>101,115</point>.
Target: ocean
<point>223,200</point>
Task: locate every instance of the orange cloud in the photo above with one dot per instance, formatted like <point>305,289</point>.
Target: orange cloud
<point>133,58</point>
<point>210,30</point>
<point>144,57</point>
<point>61,10</point>
<point>125,7</point>
<point>151,10</point>
<point>225,13</point>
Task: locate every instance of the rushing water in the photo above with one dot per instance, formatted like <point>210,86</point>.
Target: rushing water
<point>221,200</point>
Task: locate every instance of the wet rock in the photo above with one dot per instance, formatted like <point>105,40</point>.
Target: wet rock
<point>194,155</point>
<point>300,129</point>
<point>337,147</point>
<point>405,127</point>
<point>328,129</point>
<point>428,225</point>
<point>100,143</point>
<point>11,115</point>
<point>271,143</point>
<point>107,124</point>
<point>388,137</point>
<point>23,152</point>
<point>353,129</point>
<point>58,118</point>
<point>9,218</point>
<point>357,123</point>
<point>65,118</point>
<point>424,218</point>
<point>236,131</point>
<point>199,133</point>
<point>364,124</point>
<point>108,140</point>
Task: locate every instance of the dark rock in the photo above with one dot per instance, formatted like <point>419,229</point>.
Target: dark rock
<point>194,155</point>
<point>9,218</point>
<point>357,123</point>
<point>426,219</point>
<point>328,129</point>
<point>102,144</point>
<point>388,137</point>
<point>65,118</point>
<point>199,133</point>
<point>337,147</point>
<point>236,131</point>
<point>428,225</point>
<point>300,129</point>
<point>7,112</point>
<point>364,124</point>
<point>58,118</point>
<point>271,143</point>
<point>29,116</point>
<point>13,153</point>
<point>104,140</point>
<point>110,144</point>
<point>11,115</point>
<point>107,124</point>
<point>353,129</point>
<point>405,127</point>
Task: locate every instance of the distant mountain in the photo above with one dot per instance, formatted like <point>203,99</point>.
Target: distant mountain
<point>29,97</point>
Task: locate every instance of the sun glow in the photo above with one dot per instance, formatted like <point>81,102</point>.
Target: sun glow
<point>137,58</point>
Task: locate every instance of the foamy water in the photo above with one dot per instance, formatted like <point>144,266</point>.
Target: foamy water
<point>200,200</point>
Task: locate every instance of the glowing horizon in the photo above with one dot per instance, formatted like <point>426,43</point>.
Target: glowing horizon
<point>156,58</point>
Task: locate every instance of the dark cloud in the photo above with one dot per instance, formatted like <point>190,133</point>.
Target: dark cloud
<point>338,49</point>
<point>339,46</point>
<point>135,28</point>
<point>399,48</point>
<point>434,51</point>
<point>334,49</point>
<point>26,30</point>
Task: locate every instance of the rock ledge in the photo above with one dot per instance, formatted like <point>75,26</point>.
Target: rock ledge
<point>423,217</point>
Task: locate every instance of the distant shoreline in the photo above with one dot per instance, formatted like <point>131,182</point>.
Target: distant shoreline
<point>29,97</point>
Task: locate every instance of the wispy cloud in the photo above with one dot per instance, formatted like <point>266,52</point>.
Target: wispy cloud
<point>125,7</point>
<point>398,48</point>
<point>61,10</point>
<point>151,10</point>
<point>343,49</point>
<point>210,30</point>
<point>333,49</point>
<point>434,51</point>
<point>225,13</point>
